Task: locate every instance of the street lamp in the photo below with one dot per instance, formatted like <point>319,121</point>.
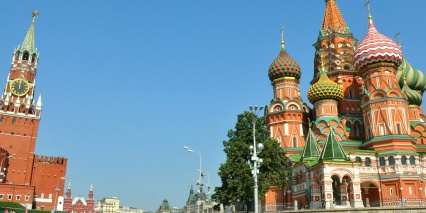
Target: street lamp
<point>57,189</point>
<point>208,190</point>
<point>3,170</point>
<point>200,181</point>
<point>256,161</point>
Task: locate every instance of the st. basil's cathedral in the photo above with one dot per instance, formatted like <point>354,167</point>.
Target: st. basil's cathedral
<point>363,142</point>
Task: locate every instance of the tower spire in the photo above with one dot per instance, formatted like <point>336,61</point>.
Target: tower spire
<point>282,37</point>
<point>333,20</point>
<point>29,41</point>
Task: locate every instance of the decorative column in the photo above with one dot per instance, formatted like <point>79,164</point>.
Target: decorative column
<point>344,193</point>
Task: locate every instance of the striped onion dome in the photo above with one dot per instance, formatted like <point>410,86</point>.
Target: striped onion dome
<point>284,66</point>
<point>376,48</point>
<point>413,97</point>
<point>324,88</point>
<point>415,79</point>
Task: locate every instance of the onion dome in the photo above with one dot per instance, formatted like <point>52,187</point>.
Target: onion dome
<point>413,97</point>
<point>284,66</point>
<point>415,79</point>
<point>376,48</point>
<point>325,88</point>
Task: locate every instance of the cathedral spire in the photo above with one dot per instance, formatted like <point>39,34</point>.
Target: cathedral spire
<point>333,20</point>
<point>310,151</point>
<point>332,150</point>
<point>29,40</point>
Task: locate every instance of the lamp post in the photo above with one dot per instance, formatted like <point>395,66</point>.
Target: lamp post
<point>3,170</point>
<point>57,189</point>
<point>255,160</point>
<point>200,181</point>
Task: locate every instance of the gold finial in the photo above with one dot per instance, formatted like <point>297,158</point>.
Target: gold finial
<point>367,4</point>
<point>282,37</point>
<point>399,41</point>
<point>35,14</point>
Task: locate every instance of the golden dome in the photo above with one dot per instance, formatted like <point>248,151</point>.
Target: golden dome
<point>325,88</point>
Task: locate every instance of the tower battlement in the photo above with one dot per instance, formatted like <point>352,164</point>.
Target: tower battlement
<point>41,159</point>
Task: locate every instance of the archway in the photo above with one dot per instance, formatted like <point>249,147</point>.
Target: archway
<point>336,189</point>
<point>371,191</point>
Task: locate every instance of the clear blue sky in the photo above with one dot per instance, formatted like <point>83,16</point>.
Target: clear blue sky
<point>126,84</point>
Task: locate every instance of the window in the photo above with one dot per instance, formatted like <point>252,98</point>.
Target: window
<point>382,161</point>
<point>378,82</point>
<point>1,196</point>
<point>26,56</point>
<point>289,93</point>
<point>391,191</point>
<point>391,160</point>
<point>357,159</point>
<point>410,190</point>
<point>351,92</point>
<point>9,197</point>
<point>349,125</point>
<point>356,128</point>
<point>18,197</point>
<point>382,129</point>
<point>331,109</point>
<point>367,161</point>
<point>398,129</point>
<point>403,160</point>
<point>42,195</point>
<point>27,198</point>
<point>388,81</point>
<point>294,142</point>
<point>412,160</point>
<point>50,196</point>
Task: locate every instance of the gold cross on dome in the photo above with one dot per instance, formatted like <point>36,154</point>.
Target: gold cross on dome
<point>367,4</point>
<point>399,41</point>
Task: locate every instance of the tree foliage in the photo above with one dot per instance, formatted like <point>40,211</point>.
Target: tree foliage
<point>235,173</point>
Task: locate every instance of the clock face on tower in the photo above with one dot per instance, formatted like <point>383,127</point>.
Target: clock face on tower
<point>19,86</point>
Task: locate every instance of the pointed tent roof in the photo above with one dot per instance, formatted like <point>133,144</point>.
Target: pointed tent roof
<point>333,20</point>
<point>29,41</point>
<point>310,151</point>
<point>333,150</point>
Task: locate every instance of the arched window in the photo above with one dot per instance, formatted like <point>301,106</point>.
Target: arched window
<point>367,161</point>
<point>403,160</point>
<point>391,160</point>
<point>382,161</point>
<point>33,57</point>
<point>349,125</point>
<point>351,92</point>
<point>357,128</point>
<point>357,159</point>
<point>26,56</point>
<point>412,160</point>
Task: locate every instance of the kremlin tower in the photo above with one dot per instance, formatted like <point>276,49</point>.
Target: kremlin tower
<point>362,142</point>
<point>34,181</point>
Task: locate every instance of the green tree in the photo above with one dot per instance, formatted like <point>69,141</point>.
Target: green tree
<point>235,173</point>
